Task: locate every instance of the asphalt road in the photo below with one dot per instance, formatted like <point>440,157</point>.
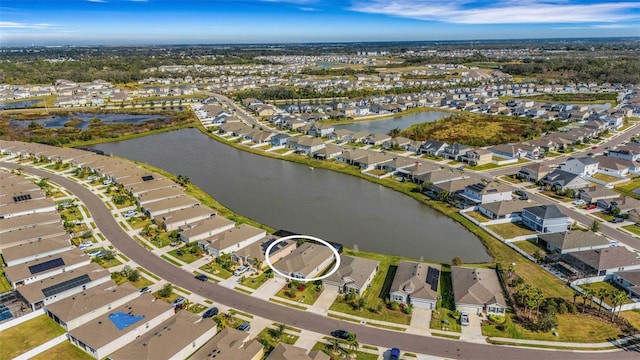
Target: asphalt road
<point>369,335</point>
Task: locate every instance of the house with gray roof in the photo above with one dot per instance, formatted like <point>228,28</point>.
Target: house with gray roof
<point>87,305</point>
<point>571,241</point>
<point>433,147</point>
<point>616,167</point>
<point>205,228</point>
<point>46,266</point>
<point>437,176</point>
<point>510,210</point>
<point>600,262</point>
<point>545,219</point>
<point>330,151</point>
<point>592,194</point>
<point>257,251</point>
<point>483,193</point>
<point>563,180</point>
<point>306,261</point>
<point>629,152</point>
<point>582,166</point>
<point>34,250</point>
<point>416,284</point>
<point>230,344</point>
<point>630,281</point>
<point>305,145</point>
<point>193,332</point>
<point>176,219</point>
<point>353,275</point>
<point>477,290</point>
<point>120,326</point>
<point>166,206</point>
<point>231,240</point>
<point>624,203</point>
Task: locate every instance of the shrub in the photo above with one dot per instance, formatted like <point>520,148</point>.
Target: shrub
<point>395,306</point>
<point>497,319</point>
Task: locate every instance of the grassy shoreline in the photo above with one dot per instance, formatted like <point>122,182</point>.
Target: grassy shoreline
<point>415,110</point>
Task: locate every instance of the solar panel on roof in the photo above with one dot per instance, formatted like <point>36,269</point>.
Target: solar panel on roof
<point>432,278</point>
<point>23,197</point>
<point>66,285</point>
<point>47,265</point>
<point>147,177</point>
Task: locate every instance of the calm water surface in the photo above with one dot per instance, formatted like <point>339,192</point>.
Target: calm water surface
<point>321,203</point>
<point>402,122</point>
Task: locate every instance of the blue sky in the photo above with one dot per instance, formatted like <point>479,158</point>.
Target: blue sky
<point>138,22</point>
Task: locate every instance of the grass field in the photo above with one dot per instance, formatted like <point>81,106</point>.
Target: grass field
<point>308,296</point>
<point>63,351</point>
<point>26,336</point>
<point>510,230</point>
<point>255,282</point>
<point>529,246</point>
<point>215,269</point>
<point>611,288</point>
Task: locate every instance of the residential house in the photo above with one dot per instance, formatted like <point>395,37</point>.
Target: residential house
<point>455,151</point>
<point>534,172</point>
<point>477,290</point>
<point>571,241</point>
<point>398,142</point>
<point>44,267</point>
<point>279,140</point>
<point>545,219</point>
<point>194,333</point>
<point>415,284</point>
<point>120,326</point>
<point>305,145</point>
<point>448,187</point>
<point>321,130</point>
<point>289,352</point>
<point>372,159</point>
<point>483,193</point>
<point>166,206</point>
<point>507,151</point>
<point>630,281</point>
<point>377,139</point>
<point>230,344</point>
<point>83,307</point>
<point>583,166</point>
<point>624,204</point>
<point>175,219</point>
<point>34,250</point>
<point>418,168</point>
<point>330,151</point>
<point>616,166</point>
<point>256,252</point>
<point>201,229</point>
<point>477,157</point>
<point>627,152</point>
<point>592,194</point>
<point>231,240</point>
<point>306,261</point>
<point>352,156</point>
<point>510,209</point>
<point>600,262</point>
<point>563,180</point>
<point>353,275</point>
<point>433,147</point>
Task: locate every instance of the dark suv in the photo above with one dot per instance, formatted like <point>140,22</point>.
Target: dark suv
<point>341,334</point>
<point>202,277</point>
<point>210,313</point>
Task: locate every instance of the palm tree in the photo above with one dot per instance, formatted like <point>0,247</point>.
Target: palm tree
<point>334,345</point>
<point>279,331</point>
<point>601,294</point>
<point>590,294</point>
<point>353,344</point>
<point>617,298</point>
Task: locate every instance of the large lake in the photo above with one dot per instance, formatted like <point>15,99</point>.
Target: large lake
<point>402,122</point>
<point>321,203</point>
<point>84,119</point>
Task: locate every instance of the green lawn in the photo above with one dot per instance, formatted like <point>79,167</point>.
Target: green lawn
<point>307,296</point>
<point>107,263</point>
<point>140,283</point>
<point>510,230</point>
<point>187,253</point>
<point>633,228</point>
<point>529,246</point>
<point>571,328</point>
<point>604,177</point>
<point>196,308</point>
<point>603,215</point>
<point>553,195</point>
<point>611,288</point>
<point>477,216</point>
<point>64,351</point>
<point>138,222</point>
<point>344,351</point>
<point>633,316</point>
<point>4,283</point>
<point>255,282</point>
<point>215,269</point>
<point>442,319</point>
<point>26,336</point>
<point>266,337</point>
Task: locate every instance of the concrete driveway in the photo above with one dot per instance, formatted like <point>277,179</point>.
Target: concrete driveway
<point>420,321</point>
<point>473,331</point>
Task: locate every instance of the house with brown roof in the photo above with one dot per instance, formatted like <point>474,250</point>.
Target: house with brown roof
<point>477,290</point>
<point>257,251</point>
<point>415,284</point>
<point>155,184</point>
<point>289,352</point>
<point>483,193</point>
<point>353,275</point>
<point>34,250</point>
<point>230,344</point>
<point>600,262</point>
<point>120,326</point>
<point>34,233</point>
<point>85,306</point>
<point>306,261</point>
<point>592,194</point>
<point>475,157</point>
<point>44,267</point>
<point>159,194</point>
<point>176,219</point>
<point>571,241</point>
<point>630,281</point>
<point>162,207</point>
<point>30,220</point>
<point>534,172</point>
<point>193,332</point>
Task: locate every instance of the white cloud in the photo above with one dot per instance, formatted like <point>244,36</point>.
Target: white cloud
<point>308,9</point>
<point>97,1</point>
<point>502,12</point>
<point>17,25</point>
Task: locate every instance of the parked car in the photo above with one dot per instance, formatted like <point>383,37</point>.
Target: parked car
<point>594,147</point>
<point>394,354</point>
<point>464,318</point>
<point>578,202</point>
<point>94,253</point>
<point>202,277</point>
<point>130,213</point>
<point>210,313</point>
<point>617,220</point>
<point>341,334</point>
<point>145,290</point>
<point>241,270</point>
<point>178,301</point>
<point>245,326</point>
<point>524,197</point>
<point>520,192</point>
<point>590,207</point>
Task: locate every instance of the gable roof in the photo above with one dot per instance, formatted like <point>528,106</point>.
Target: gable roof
<point>546,211</point>
<point>476,286</point>
<point>585,160</point>
<point>505,207</point>
<point>574,239</point>
<point>607,258</point>
<point>411,278</point>
<point>353,271</point>
<point>304,259</point>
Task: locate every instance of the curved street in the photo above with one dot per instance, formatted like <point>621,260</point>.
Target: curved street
<point>441,347</point>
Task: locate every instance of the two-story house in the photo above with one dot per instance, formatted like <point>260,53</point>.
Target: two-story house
<point>545,219</point>
<point>582,166</point>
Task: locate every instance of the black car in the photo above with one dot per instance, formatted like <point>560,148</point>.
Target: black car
<point>202,277</point>
<point>245,326</point>
<point>341,334</point>
<point>520,192</point>
<point>210,313</point>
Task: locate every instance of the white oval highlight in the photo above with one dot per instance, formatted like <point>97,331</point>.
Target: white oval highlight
<point>336,255</point>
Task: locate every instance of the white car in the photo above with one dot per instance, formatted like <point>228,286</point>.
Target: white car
<point>579,202</point>
<point>130,213</point>
<point>464,318</point>
<point>94,253</point>
<point>241,270</point>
